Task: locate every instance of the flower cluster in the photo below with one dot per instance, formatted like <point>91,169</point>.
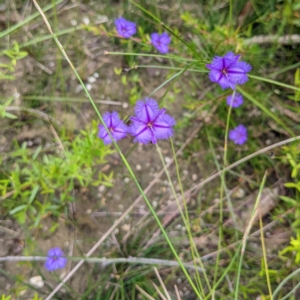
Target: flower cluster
<point>149,124</point>
<point>55,259</point>
<point>228,71</point>
<point>126,29</point>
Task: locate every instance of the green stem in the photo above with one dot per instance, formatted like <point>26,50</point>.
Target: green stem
<point>283,282</point>
<point>185,217</point>
<point>222,188</point>
<point>274,82</point>
<point>245,237</point>
<point>230,14</point>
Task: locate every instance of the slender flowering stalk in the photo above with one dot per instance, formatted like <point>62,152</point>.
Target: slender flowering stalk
<point>239,135</point>
<point>125,28</point>
<point>228,71</point>
<point>55,259</point>
<point>150,123</point>
<point>236,102</point>
<point>161,42</point>
<point>115,125</point>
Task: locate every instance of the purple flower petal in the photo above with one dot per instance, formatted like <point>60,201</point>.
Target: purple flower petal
<point>116,127</point>
<point>238,135</point>
<point>163,127</point>
<point>147,109</point>
<point>161,42</point>
<point>237,101</point>
<point>141,132</point>
<point>55,259</point>
<point>150,123</point>
<point>125,28</point>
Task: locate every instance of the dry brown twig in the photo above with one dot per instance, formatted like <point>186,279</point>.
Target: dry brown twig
<point>177,292</point>
<point>162,284</point>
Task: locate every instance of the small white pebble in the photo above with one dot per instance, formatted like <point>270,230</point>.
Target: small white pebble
<point>91,79</point>
<point>178,226</point>
<point>138,167</point>
<point>194,177</point>
<point>276,91</point>
<point>185,172</point>
<point>101,188</point>
<point>88,86</point>
<point>239,193</point>
<point>268,142</point>
<point>29,143</point>
<point>73,22</point>
<point>179,280</point>
<point>86,20</point>
<point>154,204</point>
<point>22,293</point>
<point>36,281</point>
<point>88,211</point>
<point>167,159</point>
<point>116,231</point>
<point>126,180</point>
<point>126,227</point>
<point>216,200</point>
<point>96,75</point>
<point>78,88</point>
<point>17,95</point>
<point>102,18</point>
<point>124,105</point>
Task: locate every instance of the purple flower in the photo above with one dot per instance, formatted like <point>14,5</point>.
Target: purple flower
<point>115,125</point>
<point>150,123</point>
<point>238,135</point>
<point>161,42</point>
<point>228,71</point>
<point>237,101</point>
<point>55,259</point>
<point>125,28</point>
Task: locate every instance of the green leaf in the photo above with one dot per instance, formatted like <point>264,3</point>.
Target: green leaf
<point>288,200</point>
<point>33,194</point>
<point>37,152</point>
<point>17,209</point>
<point>10,116</point>
<point>118,71</point>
